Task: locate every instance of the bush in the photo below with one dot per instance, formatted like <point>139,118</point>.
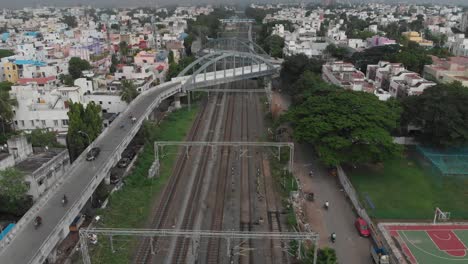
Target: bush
<point>43,138</point>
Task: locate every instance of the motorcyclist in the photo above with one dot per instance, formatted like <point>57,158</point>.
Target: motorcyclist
<point>326,205</point>
<point>37,221</point>
<point>64,199</point>
<point>333,237</point>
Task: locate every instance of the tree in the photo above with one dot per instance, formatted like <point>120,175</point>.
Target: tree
<point>76,66</point>
<point>6,105</point>
<point>70,21</point>
<point>176,68</point>
<point>188,45</point>
<point>123,48</point>
<point>346,126</point>
<point>6,53</point>
<point>294,66</point>
<point>337,52</point>
<point>66,79</point>
<point>418,24</point>
<point>115,26</point>
<point>414,58</point>
<point>129,91</point>
<point>274,46</point>
<point>309,83</point>
<point>13,190</point>
<point>12,184</point>
<point>170,57</point>
<point>373,55</point>
<point>442,114</point>
<point>43,138</point>
<point>87,120</point>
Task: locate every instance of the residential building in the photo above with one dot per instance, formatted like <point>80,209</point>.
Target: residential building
<point>376,41</point>
<point>458,45</point>
<point>358,44</point>
<point>416,37</point>
<point>382,72</point>
<point>464,22</point>
<point>447,70</point>
<point>408,83</point>
<point>394,78</point>
<point>345,75</point>
<point>43,105</point>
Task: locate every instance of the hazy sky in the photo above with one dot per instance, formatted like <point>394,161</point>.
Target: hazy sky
<point>134,3</point>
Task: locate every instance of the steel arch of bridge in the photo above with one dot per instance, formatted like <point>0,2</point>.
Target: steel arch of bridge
<point>232,44</point>
<point>252,65</point>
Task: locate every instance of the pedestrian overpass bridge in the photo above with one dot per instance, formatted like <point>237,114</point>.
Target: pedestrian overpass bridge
<point>25,244</point>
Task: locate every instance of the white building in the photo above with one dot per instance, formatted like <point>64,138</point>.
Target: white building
<point>464,22</point>
<point>408,83</point>
<point>357,44</point>
<point>458,45</point>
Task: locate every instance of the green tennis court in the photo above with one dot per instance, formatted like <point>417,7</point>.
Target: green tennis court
<point>431,244</point>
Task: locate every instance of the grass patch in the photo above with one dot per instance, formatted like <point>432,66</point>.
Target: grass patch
<point>131,206</point>
<point>403,188</point>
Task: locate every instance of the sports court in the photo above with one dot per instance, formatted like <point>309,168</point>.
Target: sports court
<point>428,243</point>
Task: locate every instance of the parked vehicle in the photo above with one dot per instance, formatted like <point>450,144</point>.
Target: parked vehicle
<point>93,153</point>
<point>379,255</point>
<point>123,163</point>
<point>130,154</point>
<point>114,180</point>
<point>362,227</point>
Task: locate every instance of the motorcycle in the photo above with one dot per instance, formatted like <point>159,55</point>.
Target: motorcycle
<point>326,205</point>
<point>37,222</point>
<point>333,237</point>
<point>64,200</point>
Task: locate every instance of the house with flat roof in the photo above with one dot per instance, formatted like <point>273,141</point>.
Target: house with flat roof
<point>447,70</point>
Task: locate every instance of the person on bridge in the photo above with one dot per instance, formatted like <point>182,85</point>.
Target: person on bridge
<point>37,221</point>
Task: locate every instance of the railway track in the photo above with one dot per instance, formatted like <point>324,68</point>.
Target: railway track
<point>159,215</point>
<point>213,254</point>
<point>242,120</point>
<point>182,244</point>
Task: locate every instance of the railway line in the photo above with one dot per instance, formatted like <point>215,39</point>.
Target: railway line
<point>217,189</point>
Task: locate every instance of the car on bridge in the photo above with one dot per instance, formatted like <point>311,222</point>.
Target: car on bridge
<point>93,153</point>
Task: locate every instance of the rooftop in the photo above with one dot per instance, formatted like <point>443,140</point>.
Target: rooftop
<point>30,62</point>
<point>35,161</point>
<point>42,80</point>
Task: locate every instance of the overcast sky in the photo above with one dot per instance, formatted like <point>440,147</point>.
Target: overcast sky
<point>135,3</point>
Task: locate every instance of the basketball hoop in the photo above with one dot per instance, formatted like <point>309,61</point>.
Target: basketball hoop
<point>441,216</point>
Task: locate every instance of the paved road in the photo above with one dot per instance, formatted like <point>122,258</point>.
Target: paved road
<point>28,240</point>
<point>350,247</point>
<point>339,218</point>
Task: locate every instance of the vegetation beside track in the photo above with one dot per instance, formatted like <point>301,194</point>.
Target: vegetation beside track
<point>131,206</point>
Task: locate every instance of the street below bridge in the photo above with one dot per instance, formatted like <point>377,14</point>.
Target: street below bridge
<point>350,247</point>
